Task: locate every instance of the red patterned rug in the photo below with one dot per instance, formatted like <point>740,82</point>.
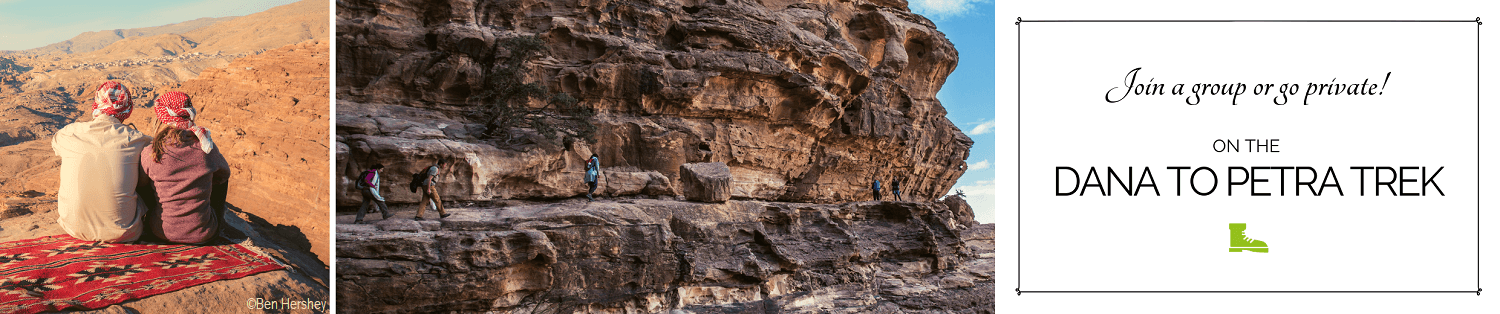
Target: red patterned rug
<point>60,272</point>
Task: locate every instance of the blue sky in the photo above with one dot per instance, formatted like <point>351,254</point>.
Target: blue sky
<point>26,24</point>
<point>969,94</point>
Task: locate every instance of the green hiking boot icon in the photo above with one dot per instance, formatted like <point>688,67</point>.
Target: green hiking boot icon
<point>1238,242</point>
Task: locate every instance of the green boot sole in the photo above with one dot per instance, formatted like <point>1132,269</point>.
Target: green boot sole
<point>1252,249</point>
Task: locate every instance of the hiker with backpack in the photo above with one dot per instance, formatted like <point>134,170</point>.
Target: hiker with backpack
<point>591,174</point>
<point>876,188</point>
<point>97,198</point>
<point>896,189</point>
<point>369,187</point>
<point>190,176</point>
<point>427,182</point>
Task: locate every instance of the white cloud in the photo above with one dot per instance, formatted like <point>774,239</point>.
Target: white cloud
<point>942,9</point>
<point>983,164</point>
<point>981,197</point>
<point>983,128</point>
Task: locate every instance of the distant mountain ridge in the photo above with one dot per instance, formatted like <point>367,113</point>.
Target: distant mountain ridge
<point>248,34</point>
<point>90,41</point>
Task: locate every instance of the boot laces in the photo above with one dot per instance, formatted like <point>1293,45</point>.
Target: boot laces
<point>1247,238</point>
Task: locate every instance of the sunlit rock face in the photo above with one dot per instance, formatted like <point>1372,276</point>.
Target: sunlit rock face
<point>803,101</point>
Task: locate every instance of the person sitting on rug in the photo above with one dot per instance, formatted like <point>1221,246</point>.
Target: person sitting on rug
<point>190,177</point>
<point>96,195</point>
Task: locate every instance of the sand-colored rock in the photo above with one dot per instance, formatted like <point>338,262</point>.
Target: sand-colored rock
<point>803,101</point>
<point>706,182</point>
<point>623,181</point>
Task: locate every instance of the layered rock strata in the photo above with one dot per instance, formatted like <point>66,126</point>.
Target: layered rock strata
<point>803,101</point>
<point>655,256</point>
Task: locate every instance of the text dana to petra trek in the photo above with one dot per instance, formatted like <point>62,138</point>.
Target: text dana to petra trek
<point>1309,143</point>
<point>1259,181</point>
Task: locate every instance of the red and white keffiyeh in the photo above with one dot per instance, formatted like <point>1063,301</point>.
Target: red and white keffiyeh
<point>176,110</point>
<point>112,99</point>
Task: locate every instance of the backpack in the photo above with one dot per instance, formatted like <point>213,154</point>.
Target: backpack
<point>591,170</point>
<point>417,179</point>
<point>364,179</point>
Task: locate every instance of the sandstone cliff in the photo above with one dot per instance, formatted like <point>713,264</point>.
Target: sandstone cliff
<point>658,256</point>
<point>804,101</point>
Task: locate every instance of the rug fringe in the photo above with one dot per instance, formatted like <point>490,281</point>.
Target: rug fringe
<point>257,250</point>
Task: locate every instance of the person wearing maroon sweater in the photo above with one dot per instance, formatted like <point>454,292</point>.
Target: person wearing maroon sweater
<point>190,177</point>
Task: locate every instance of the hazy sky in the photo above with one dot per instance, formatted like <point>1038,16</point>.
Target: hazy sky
<point>26,24</point>
<point>969,93</point>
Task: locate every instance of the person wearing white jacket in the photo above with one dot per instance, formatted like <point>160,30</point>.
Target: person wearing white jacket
<point>369,187</point>
<point>101,167</point>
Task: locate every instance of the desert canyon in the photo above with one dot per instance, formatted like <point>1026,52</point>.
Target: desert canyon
<point>260,82</point>
<point>738,142</point>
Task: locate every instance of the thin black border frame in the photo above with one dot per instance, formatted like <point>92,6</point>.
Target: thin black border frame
<point>1477,143</point>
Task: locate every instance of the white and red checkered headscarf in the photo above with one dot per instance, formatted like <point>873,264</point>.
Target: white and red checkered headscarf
<point>112,99</point>
<point>176,109</point>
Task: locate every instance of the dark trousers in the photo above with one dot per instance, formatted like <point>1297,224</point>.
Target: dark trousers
<point>370,199</point>
<point>896,194</point>
<point>877,194</point>
<point>592,185</point>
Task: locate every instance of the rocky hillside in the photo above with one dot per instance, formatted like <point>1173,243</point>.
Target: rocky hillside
<point>149,59</point>
<point>658,256</point>
<point>269,29</point>
<point>263,91</point>
<point>804,101</point>
<point>41,91</point>
<point>269,117</point>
